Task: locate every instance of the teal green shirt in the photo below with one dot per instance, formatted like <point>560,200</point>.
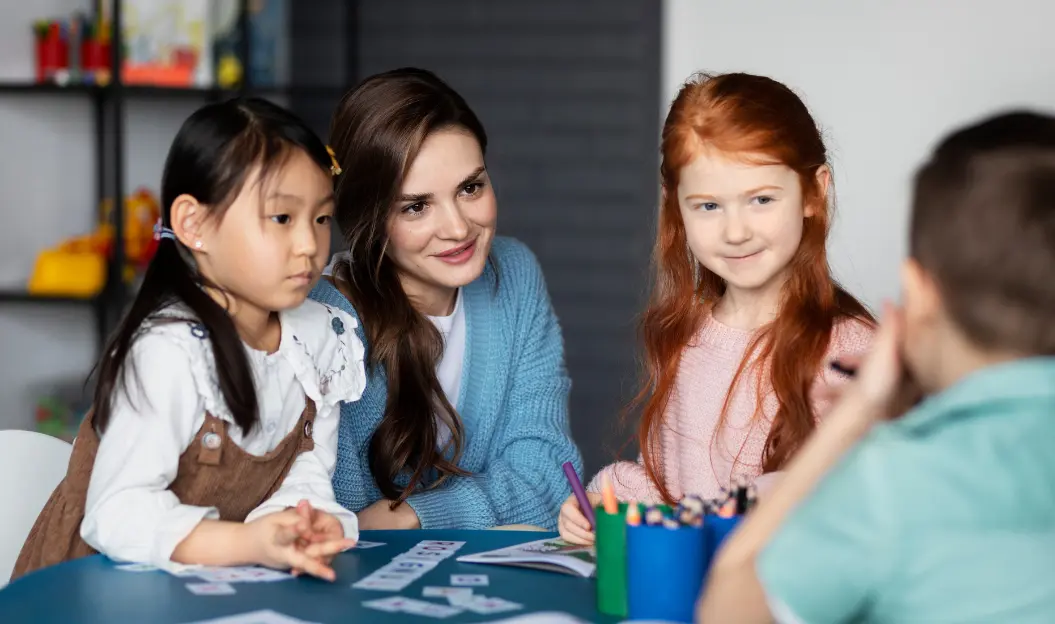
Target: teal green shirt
<point>945,515</point>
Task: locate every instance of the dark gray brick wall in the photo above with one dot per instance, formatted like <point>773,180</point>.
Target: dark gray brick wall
<point>323,61</point>
<point>323,48</point>
<point>569,93</point>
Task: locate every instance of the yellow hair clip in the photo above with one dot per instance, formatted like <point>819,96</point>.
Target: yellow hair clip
<point>335,167</point>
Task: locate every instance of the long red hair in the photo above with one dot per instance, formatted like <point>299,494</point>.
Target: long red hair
<point>750,116</point>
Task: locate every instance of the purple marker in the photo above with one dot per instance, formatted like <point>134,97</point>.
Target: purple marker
<point>580,493</point>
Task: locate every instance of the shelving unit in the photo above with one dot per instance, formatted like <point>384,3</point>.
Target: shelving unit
<point>8,296</point>
<point>108,111</point>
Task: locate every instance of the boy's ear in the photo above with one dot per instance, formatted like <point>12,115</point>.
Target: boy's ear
<point>921,298</point>
<point>188,222</point>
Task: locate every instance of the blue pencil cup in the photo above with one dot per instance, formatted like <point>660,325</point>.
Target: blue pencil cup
<point>716,529</point>
<point>664,569</point>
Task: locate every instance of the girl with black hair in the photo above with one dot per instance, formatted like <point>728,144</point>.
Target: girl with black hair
<point>213,433</point>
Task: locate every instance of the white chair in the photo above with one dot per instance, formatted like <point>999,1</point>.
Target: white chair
<point>31,465</point>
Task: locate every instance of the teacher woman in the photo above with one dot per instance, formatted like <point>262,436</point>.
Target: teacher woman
<point>464,420</point>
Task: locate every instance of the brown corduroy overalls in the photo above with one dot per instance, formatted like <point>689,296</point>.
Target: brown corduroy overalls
<point>213,472</point>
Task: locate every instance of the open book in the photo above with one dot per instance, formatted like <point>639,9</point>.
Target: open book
<point>553,555</point>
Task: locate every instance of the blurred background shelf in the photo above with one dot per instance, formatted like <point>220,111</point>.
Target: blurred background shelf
<point>83,139</point>
<point>313,88</point>
<point>146,91</point>
<point>21,296</point>
<point>570,94</point>
<point>15,88</point>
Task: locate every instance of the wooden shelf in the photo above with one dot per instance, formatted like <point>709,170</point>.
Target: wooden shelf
<point>21,296</point>
<point>32,87</point>
<point>148,91</point>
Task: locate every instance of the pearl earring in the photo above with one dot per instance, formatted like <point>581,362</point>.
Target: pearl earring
<point>197,244</point>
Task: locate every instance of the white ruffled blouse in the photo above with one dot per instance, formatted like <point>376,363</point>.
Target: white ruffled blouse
<point>170,382</point>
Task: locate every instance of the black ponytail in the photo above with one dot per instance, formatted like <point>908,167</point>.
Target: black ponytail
<point>210,159</point>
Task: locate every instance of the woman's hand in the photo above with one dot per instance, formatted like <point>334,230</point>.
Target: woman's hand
<point>381,516</point>
<point>573,526</point>
<point>278,540</point>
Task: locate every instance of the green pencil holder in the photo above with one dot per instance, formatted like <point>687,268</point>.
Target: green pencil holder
<point>610,533</point>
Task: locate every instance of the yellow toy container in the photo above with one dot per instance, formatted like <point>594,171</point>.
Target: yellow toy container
<point>60,273</point>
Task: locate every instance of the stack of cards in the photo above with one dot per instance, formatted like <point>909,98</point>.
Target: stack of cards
<point>431,550</point>
<point>446,592</point>
<point>217,579</point>
<point>406,568</point>
<point>399,604</point>
<point>213,574</point>
<point>470,580</point>
<point>460,599</point>
<point>263,616</point>
<point>482,604</point>
<point>136,567</point>
<point>246,574</point>
<point>210,589</point>
<point>542,617</point>
<point>173,568</point>
<point>395,576</point>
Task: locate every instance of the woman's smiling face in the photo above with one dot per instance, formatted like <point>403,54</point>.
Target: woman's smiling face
<point>443,222</point>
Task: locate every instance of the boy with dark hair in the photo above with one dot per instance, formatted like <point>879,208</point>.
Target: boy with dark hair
<point>946,514</point>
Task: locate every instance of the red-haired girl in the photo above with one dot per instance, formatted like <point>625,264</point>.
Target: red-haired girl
<point>745,317</point>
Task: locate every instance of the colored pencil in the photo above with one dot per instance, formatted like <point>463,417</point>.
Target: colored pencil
<point>580,493</point>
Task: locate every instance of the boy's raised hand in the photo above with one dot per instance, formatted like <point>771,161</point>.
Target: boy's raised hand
<point>881,370</point>
<point>882,381</point>
<point>880,377</point>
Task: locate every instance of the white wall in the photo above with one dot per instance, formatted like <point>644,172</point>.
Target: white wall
<point>884,79</point>
<point>47,193</point>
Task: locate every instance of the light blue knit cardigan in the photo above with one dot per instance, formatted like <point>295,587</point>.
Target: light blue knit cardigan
<point>513,402</point>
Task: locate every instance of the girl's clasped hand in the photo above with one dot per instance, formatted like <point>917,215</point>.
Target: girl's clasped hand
<point>301,538</point>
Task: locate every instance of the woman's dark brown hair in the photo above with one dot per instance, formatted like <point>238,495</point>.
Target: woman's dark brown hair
<point>376,133</point>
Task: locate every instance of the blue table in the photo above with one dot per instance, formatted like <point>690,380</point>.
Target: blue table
<point>90,590</point>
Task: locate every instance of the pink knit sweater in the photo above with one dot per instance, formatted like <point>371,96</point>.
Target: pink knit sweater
<point>694,459</point>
